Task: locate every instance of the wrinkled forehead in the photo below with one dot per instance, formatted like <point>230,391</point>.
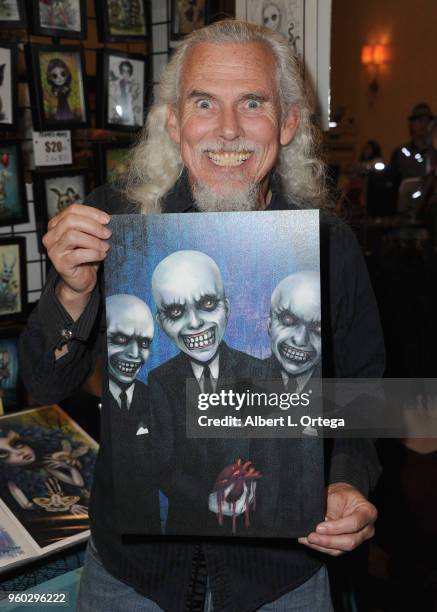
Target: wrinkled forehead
<point>300,295</point>
<point>133,319</point>
<point>186,279</point>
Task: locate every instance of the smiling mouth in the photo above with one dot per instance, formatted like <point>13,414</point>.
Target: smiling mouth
<point>202,340</point>
<point>125,367</point>
<point>229,158</point>
<point>293,354</point>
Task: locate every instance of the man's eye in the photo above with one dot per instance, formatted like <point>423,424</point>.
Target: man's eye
<point>316,327</point>
<point>208,303</point>
<point>119,339</point>
<point>4,454</point>
<point>17,444</point>
<point>145,343</point>
<point>253,104</point>
<point>174,312</point>
<point>287,318</point>
<point>205,104</point>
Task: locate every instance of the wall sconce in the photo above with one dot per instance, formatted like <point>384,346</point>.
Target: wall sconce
<point>374,56</point>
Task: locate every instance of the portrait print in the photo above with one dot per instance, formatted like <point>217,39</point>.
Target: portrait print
<point>113,159</point>
<point>188,15</point>
<point>57,189</point>
<point>66,18</point>
<point>12,276</point>
<point>283,16</point>
<point>202,308</point>
<point>123,20</point>
<point>124,90</point>
<point>13,13</point>
<point>58,90</point>
<point>9,384</point>
<point>8,86</point>
<point>13,204</point>
<point>46,468</point>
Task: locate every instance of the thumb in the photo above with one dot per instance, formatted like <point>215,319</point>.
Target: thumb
<point>335,506</point>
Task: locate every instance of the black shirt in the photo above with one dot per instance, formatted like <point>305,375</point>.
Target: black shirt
<point>243,575</point>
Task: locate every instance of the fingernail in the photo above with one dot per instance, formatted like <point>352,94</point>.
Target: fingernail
<point>105,218</point>
<point>321,528</point>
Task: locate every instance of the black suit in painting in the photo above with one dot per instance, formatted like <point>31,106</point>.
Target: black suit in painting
<point>135,474</point>
<point>195,463</point>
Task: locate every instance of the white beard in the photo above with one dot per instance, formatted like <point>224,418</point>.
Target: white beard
<point>208,200</point>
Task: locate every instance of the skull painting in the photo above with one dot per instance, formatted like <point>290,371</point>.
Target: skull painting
<point>294,322</point>
<point>192,307</point>
<point>271,16</point>
<point>130,333</point>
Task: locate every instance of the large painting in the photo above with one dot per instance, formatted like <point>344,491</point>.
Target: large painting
<point>199,314</point>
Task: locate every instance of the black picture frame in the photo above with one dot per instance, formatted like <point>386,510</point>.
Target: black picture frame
<point>106,102</point>
<point>178,30</point>
<point>12,185</point>
<point>103,151</point>
<point>13,294</point>
<point>10,51</point>
<point>12,391</point>
<point>59,32</point>
<point>50,103</point>
<point>106,30</point>
<point>48,202</point>
<point>19,23</point>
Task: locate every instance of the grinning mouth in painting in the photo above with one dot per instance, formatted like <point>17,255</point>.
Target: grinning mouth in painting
<point>290,353</point>
<point>125,367</point>
<point>202,340</point>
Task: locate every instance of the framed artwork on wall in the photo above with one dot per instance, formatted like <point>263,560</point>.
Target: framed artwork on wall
<point>13,204</point>
<point>187,16</point>
<point>13,14</point>
<point>112,160</point>
<point>57,189</point>
<point>123,20</point>
<point>13,285</point>
<point>11,389</point>
<point>57,87</point>
<point>8,86</point>
<point>124,90</point>
<point>66,18</point>
<point>306,24</point>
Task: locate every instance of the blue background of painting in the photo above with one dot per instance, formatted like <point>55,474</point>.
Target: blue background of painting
<point>13,202</point>
<point>254,251</point>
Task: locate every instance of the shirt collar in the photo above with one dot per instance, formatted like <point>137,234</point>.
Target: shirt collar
<point>116,390</point>
<point>213,366</point>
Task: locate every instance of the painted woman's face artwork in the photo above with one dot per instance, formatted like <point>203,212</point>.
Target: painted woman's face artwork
<point>271,17</point>
<point>14,451</point>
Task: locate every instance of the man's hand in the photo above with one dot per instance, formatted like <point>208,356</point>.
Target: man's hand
<point>76,244</point>
<point>349,521</point>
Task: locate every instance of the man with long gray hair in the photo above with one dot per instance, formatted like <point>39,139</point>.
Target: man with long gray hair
<point>231,130</point>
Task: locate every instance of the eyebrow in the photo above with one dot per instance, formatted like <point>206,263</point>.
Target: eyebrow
<point>260,97</point>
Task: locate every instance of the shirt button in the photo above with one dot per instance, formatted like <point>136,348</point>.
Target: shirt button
<point>67,334</point>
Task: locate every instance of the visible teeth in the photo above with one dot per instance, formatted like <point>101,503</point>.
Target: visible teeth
<point>294,354</point>
<point>229,158</point>
<point>202,340</point>
<point>126,367</point>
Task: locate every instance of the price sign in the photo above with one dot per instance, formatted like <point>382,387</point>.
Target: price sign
<point>52,148</point>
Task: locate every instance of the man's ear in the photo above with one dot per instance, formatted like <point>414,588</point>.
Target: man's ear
<point>172,123</point>
<point>289,125</point>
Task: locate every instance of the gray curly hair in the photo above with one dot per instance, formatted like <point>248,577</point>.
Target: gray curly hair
<point>156,162</point>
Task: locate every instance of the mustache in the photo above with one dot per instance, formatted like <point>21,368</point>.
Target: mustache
<point>236,146</point>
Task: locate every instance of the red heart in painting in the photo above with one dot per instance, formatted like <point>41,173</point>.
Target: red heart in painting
<point>5,159</point>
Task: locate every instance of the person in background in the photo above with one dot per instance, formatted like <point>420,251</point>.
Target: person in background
<point>408,160</point>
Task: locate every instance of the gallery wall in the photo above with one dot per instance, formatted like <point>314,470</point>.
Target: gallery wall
<point>408,28</point>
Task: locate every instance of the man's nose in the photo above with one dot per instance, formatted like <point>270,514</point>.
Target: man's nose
<point>229,126</point>
<point>133,350</point>
<point>300,335</point>
<point>194,319</point>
